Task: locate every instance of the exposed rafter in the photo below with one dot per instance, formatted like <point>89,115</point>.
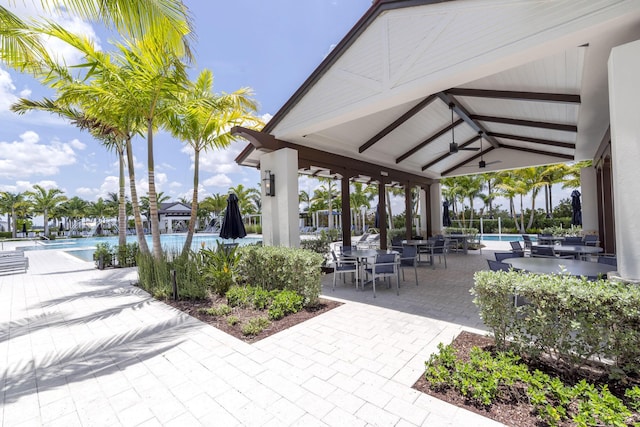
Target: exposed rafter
<point>526,123</point>
<point>406,116</point>
<point>516,95</point>
<point>428,140</point>
<point>466,116</point>
<point>533,151</point>
<point>534,140</point>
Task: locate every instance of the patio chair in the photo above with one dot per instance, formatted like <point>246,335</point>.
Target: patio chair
<point>528,244</point>
<point>503,255</point>
<point>396,243</point>
<point>440,249</point>
<point>409,258</point>
<point>360,239</point>
<point>608,259</point>
<point>385,265</point>
<point>572,240</point>
<point>498,266</point>
<point>343,266</point>
<point>547,252</point>
<point>517,249</point>
<point>372,241</point>
<point>590,240</point>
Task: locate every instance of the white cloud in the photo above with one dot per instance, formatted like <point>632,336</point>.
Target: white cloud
<point>25,93</point>
<point>220,161</point>
<point>220,180</point>
<point>7,97</point>
<point>77,144</point>
<point>27,157</point>
<point>174,185</point>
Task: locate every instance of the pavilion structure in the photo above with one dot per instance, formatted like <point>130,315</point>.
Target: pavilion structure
<point>423,89</point>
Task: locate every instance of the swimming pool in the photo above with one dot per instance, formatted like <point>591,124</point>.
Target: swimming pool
<point>84,247</point>
<point>503,237</point>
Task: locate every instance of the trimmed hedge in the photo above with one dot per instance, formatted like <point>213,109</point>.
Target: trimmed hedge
<point>272,267</point>
<point>565,317</point>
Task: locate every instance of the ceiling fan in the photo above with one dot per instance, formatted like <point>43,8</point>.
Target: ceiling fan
<point>453,146</point>
<point>482,164</point>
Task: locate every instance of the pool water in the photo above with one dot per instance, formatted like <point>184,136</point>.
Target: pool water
<point>83,248</point>
<point>503,237</point>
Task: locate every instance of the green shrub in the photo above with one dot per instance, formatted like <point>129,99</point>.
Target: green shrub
<point>220,267</point>
<point>271,267</point>
<point>239,296</point>
<point>103,255</point>
<point>486,379</point>
<point>285,302</point>
<point>568,318</point>
<point>232,320</point>
<point>127,254</point>
<point>217,311</point>
<point>155,275</point>
<point>255,325</point>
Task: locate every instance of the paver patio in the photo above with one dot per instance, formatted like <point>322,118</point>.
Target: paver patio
<point>83,347</point>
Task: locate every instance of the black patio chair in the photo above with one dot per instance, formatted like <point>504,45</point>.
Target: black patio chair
<point>385,265</point>
<point>517,249</point>
<point>409,259</point>
<point>344,266</point>
<point>500,256</point>
<point>498,266</point>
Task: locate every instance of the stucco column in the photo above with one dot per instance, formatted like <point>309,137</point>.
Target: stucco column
<point>624,102</point>
<point>280,212</point>
<point>588,185</point>
<point>423,213</point>
<point>435,215</point>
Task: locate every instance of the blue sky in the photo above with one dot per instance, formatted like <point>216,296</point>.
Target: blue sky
<point>269,46</point>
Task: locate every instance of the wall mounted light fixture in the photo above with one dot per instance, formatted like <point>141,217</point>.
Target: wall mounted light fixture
<point>269,182</point>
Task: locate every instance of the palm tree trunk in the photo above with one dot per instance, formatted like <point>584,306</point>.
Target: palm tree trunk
<point>550,202</point>
<point>153,200</point>
<point>137,217</point>
<point>122,206</point>
<point>14,223</point>
<point>45,217</point>
<point>522,229</point>
<point>194,203</point>
<point>533,210</point>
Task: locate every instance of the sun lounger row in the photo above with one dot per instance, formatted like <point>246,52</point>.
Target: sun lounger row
<point>13,262</point>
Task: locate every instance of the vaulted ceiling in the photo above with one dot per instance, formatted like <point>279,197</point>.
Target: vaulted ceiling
<point>512,83</point>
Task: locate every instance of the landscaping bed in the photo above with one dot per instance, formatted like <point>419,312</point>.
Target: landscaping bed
<point>194,308</point>
<point>517,409</point>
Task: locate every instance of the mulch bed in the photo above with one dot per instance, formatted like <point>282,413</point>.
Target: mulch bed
<point>511,414</point>
<point>191,307</point>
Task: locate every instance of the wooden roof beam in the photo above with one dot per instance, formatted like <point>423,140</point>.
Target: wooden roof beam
<point>397,123</point>
<point>516,95</point>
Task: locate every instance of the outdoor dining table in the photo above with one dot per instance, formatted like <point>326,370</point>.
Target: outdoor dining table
<point>550,265</point>
<point>361,256</point>
<point>464,238</point>
<point>578,251</point>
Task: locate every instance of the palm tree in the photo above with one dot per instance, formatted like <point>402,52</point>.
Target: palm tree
<point>511,186</point>
<point>329,192</point>
<point>74,209</point>
<point>360,198</point>
<point>203,120</point>
<point>44,201</point>
<point>11,203</point>
<point>215,204</point>
<point>245,198</point>
<point>20,46</point>
<point>304,197</point>
<point>145,206</point>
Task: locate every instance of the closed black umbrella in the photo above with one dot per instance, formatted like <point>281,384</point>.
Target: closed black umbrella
<point>576,216</point>
<point>446,219</point>
<point>232,225</point>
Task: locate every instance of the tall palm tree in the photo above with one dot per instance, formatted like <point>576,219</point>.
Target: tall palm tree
<point>215,204</point>
<point>44,201</point>
<point>11,203</point>
<point>511,186</point>
<point>203,120</point>
<point>360,198</point>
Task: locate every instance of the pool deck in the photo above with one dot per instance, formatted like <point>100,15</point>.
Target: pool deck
<point>84,347</point>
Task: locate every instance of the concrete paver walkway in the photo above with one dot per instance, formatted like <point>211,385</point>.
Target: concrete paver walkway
<point>83,347</point>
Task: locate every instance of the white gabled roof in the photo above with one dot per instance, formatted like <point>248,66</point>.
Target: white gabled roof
<point>487,57</point>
